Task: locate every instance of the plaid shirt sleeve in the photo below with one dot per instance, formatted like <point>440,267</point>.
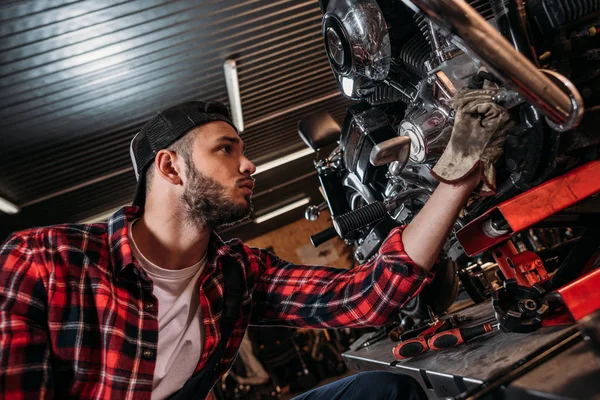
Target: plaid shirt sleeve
<point>24,346</point>
<point>327,297</point>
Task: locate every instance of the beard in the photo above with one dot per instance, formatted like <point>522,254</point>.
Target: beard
<point>207,203</point>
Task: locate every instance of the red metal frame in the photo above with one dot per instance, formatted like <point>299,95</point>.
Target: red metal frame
<point>528,265</point>
<point>533,206</point>
<point>501,255</point>
<point>582,296</point>
<point>525,267</point>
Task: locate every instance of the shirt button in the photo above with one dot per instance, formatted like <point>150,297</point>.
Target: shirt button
<point>148,353</point>
<point>149,306</point>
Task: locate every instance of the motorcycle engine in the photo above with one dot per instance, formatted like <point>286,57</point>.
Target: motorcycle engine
<point>382,52</point>
<point>405,70</point>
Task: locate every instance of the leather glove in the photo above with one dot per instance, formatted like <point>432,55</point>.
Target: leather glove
<point>477,139</point>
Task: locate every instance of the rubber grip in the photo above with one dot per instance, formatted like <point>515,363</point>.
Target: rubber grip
<point>361,218</point>
<point>410,348</point>
<point>446,339</point>
<point>319,238</point>
<point>457,336</point>
<point>474,331</point>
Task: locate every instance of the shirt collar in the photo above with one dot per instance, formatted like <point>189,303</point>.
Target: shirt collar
<point>120,248</point>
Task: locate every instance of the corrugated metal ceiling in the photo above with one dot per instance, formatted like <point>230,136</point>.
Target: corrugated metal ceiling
<point>79,78</point>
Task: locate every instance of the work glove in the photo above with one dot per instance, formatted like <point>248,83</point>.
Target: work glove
<point>477,139</point>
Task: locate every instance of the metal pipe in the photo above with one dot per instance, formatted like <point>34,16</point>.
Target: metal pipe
<point>477,36</point>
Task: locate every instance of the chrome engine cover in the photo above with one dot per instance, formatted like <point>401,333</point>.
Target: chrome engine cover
<point>357,45</point>
<point>425,128</point>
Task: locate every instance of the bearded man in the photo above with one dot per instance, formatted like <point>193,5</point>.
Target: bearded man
<point>153,304</point>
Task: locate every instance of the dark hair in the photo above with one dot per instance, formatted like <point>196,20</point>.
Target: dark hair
<point>182,147</point>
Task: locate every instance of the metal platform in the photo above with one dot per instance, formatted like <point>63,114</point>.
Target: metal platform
<point>573,374</point>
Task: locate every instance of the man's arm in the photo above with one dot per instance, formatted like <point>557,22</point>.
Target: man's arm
<point>476,143</point>
<point>25,371</point>
<point>424,237</point>
<point>327,297</point>
<point>368,295</point>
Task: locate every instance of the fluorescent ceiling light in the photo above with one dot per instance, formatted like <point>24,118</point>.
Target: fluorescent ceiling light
<point>282,210</point>
<point>8,207</point>
<point>283,160</point>
<point>233,92</point>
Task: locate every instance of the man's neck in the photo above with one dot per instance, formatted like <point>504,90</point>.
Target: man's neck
<point>167,240</point>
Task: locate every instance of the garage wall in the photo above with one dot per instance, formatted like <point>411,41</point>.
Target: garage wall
<point>292,243</point>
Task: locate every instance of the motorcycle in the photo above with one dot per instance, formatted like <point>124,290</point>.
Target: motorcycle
<point>403,61</point>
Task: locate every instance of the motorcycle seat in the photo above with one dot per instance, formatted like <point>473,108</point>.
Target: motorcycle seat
<point>319,130</point>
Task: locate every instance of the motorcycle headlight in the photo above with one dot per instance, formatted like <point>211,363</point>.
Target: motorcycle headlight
<point>357,44</point>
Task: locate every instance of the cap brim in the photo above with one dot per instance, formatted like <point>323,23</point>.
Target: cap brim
<point>139,198</point>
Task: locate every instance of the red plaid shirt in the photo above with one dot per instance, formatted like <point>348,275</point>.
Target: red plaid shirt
<point>78,318</point>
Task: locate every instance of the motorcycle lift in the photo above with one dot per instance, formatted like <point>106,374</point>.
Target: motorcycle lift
<point>538,352</point>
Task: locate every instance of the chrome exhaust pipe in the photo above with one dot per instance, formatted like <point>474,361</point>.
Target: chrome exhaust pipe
<point>563,107</point>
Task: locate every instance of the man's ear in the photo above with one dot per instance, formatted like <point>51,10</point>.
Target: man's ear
<point>168,166</point>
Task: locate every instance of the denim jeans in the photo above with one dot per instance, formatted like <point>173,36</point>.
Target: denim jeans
<point>371,385</point>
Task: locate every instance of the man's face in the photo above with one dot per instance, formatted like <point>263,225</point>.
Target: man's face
<point>218,185</point>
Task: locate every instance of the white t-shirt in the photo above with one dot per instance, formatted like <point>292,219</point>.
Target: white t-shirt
<point>180,329</point>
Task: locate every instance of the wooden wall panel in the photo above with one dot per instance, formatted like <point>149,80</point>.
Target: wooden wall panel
<point>292,243</point>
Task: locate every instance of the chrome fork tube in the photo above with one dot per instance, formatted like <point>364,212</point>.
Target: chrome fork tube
<point>478,37</point>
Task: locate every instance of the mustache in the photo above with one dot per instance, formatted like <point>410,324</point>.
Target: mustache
<point>246,179</point>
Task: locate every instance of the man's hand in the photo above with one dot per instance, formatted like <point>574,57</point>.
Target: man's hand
<point>475,145</point>
<point>477,139</point>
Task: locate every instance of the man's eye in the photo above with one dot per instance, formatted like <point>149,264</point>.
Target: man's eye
<point>225,149</point>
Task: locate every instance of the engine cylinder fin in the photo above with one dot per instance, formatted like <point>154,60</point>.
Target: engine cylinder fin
<point>483,7</point>
<point>575,9</point>
<point>551,15</point>
<point>414,53</point>
<point>423,26</point>
<point>383,94</point>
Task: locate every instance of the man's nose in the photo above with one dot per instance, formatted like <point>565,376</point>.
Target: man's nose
<point>247,167</point>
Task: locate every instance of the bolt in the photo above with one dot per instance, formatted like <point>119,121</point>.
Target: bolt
<point>530,304</point>
<point>359,256</point>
